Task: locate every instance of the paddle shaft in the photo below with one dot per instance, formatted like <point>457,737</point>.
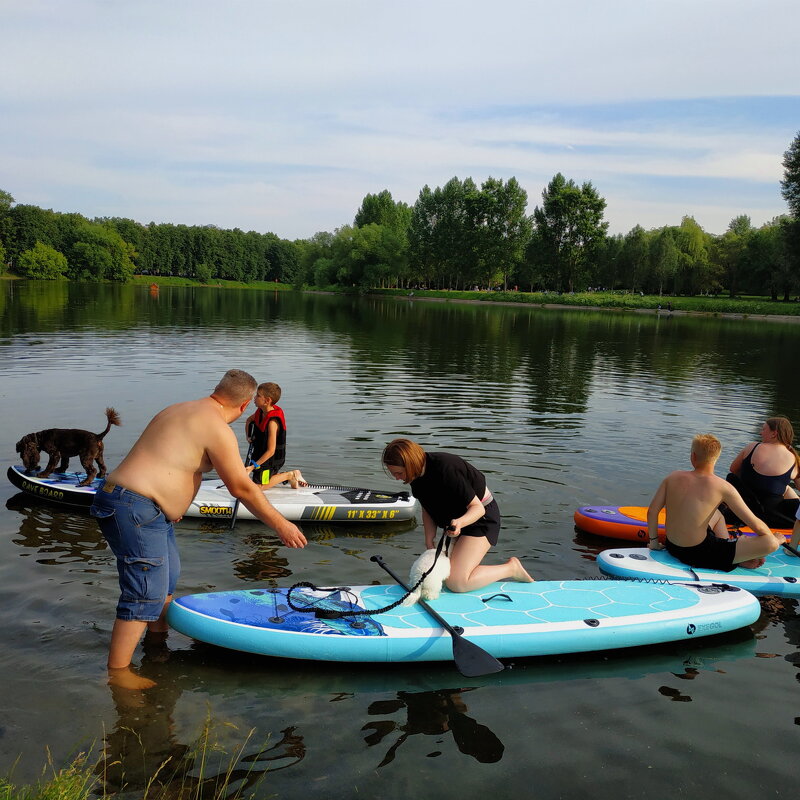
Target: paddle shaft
<point>791,549</point>
<point>247,462</point>
<point>470,660</point>
<point>438,617</point>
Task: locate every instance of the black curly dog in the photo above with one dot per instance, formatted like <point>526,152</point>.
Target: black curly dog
<point>63,443</point>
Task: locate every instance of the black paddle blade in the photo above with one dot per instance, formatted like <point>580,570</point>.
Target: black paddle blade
<point>472,661</point>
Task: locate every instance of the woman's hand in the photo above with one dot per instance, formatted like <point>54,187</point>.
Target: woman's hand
<point>453,529</point>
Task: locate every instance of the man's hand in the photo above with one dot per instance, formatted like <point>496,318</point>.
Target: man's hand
<point>291,535</point>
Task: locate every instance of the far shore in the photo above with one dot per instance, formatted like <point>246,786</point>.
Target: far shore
<point>739,308</point>
<point>676,312</point>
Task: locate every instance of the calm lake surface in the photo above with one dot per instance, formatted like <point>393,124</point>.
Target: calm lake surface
<point>558,408</point>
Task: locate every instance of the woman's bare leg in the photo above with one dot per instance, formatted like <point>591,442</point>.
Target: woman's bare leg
<point>467,572</point>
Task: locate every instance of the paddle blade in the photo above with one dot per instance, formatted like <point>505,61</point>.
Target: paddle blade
<point>472,661</point>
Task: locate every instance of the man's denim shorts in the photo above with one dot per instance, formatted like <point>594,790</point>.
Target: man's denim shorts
<point>143,540</point>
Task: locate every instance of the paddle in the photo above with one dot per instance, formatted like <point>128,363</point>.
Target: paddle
<point>791,549</point>
<point>471,661</point>
<point>246,461</point>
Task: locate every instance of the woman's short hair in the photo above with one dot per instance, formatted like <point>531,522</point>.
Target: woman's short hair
<point>405,454</point>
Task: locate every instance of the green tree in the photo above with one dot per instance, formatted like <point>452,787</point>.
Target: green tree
<point>42,262</point>
<point>665,259</point>
<point>99,253</point>
<point>790,185</point>
<point>634,259</point>
<point>570,229</point>
<point>730,252</point>
<point>503,229</point>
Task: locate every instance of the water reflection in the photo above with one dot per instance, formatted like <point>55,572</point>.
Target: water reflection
<point>142,750</point>
<point>432,714</point>
<point>59,537</point>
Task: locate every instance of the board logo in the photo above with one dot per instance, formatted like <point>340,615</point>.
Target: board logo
<point>216,511</point>
<point>43,491</point>
<point>691,628</point>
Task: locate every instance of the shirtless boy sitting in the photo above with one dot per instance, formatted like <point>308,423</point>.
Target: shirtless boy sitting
<point>691,499</point>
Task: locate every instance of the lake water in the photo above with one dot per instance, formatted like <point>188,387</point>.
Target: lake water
<point>558,408</point>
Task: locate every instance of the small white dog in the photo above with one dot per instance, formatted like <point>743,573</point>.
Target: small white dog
<point>431,587</point>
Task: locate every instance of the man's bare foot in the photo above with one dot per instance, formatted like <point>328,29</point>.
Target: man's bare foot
<point>296,479</point>
<point>519,572</point>
<point>126,678</point>
<point>753,563</point>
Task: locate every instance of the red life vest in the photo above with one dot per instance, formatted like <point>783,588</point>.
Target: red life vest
<point>260,438</point>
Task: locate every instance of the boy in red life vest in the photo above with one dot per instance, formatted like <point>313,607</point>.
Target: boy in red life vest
<point>268,435</point>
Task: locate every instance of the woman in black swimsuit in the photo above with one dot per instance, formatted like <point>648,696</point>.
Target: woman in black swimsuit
<point>763,471</point>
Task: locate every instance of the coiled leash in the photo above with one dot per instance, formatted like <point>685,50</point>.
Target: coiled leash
<point>330,613</point>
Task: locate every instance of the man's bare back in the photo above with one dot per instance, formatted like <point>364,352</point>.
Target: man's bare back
<point>692,499</point>
<point>181,443</point>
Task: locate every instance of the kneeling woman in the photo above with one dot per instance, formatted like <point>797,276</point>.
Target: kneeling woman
<point>453,493</point>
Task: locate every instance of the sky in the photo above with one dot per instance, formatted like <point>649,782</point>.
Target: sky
<point>282,116</point>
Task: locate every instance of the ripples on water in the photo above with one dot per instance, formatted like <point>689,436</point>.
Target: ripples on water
<point>559,409</point>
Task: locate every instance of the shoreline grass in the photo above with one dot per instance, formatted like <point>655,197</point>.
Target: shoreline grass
<point>204,771</point>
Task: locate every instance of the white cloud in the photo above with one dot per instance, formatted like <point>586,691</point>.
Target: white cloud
<point>282,115</point>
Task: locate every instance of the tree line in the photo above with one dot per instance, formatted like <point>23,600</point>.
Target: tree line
<point>457,236</point>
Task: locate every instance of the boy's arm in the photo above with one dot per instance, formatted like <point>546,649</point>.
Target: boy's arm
<point>653,510</point>
<point>251,419</point>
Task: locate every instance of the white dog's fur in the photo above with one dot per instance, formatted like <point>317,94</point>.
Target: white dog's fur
<point>431,587</point>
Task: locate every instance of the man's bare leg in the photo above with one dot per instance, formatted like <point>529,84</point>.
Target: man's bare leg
<point>125,637</point>
<point>751,550</point>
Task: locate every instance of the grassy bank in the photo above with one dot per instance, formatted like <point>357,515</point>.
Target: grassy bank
<point>160,280</point>
<point>745,306</point>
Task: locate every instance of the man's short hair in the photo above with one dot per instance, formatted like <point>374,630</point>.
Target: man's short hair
<point>236,385</point>
<point>706,447</point>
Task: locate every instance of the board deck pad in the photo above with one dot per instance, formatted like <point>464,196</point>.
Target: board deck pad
<point>780,574</point>
<point>506,619</point>
<point>314,503</point>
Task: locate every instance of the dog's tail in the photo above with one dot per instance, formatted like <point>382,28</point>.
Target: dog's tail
<point>413,597</point>
<point>113,419</point>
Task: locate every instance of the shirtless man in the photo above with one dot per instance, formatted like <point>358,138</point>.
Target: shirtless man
<point>153,487</point>
<point>692,499</point>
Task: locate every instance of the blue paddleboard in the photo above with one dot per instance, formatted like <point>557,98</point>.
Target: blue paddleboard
<point>506,619</point>
<point>780,574</point>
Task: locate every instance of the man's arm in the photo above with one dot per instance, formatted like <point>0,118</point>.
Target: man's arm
<point>223,452</point>
<point>653,510</point>
<point>735,503</point>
